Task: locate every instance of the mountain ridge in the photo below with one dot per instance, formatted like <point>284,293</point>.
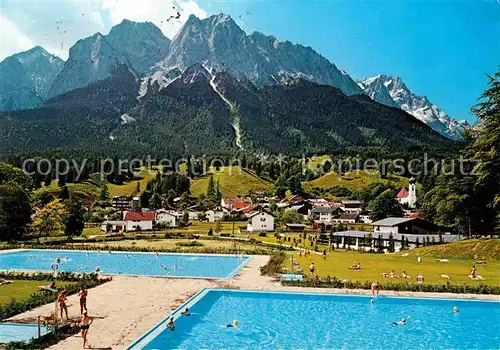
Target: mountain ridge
<point>393,92</point>
<point>27,77</point>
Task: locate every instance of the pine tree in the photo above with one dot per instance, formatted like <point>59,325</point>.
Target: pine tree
<point>218,194</point>
<point>391,247</point>
<point>104,194</point>
<point>211,189</point>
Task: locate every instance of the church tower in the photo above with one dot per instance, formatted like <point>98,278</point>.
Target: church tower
<point>412,194</point>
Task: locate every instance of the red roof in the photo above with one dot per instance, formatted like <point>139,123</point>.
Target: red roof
<point>139,216</point>
<point>237,203</point>
<point>250,208</point>
<point>403,193</point>
<point>415,215</point>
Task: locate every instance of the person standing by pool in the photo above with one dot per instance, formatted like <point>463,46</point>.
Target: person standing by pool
<point>61,301</point>
<point>85,322</point>
<point>324,254</point>
<point>374,287</point>
<point>83,300</point>
<point>312,268</point>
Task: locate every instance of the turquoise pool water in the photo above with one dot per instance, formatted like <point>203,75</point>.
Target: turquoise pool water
<point>145,264</point>
<point>19,332</point>
<point>315,321</point>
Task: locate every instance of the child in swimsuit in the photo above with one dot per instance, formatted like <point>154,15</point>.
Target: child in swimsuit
<point>85,322</point>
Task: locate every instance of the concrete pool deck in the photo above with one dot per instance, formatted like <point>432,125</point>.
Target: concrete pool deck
<point>127,307</point>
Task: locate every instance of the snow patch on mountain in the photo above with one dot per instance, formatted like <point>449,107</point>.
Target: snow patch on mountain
<point>392,92</point>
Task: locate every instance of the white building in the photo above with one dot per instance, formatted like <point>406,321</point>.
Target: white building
<point>260,221</point>
<point>409,197</point>
<point>140,221</point>
<point>114,227</point>
<point>352,206</point>
<point>164,216</point>
<point>323,214</point>
<point>216,214</point>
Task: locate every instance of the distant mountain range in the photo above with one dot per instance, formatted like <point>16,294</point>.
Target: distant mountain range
<point>202,111</point>
<point>259,73</point>
<point>26,78</point>
<point>391,91</point>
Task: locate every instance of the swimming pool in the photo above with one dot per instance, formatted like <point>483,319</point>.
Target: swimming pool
<point>320,321</point>
<point>19,332</point>
<point>126,263</point>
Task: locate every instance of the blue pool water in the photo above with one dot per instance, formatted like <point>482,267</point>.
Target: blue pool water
<point>19,332</point>
<point>317,321</point>
<point>146,264</point>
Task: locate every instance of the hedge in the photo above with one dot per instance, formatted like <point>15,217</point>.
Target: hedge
<point>333,282</point>
<point>260,250</point>
<point>40,298</point>
<point>44,341</point>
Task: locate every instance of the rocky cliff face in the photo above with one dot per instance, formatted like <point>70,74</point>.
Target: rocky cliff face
<point>139,45</point>
<point>27,77</point>
<point>220,44</point>
<point>392,91</point>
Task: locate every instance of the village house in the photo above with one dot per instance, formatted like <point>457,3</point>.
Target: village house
<point>295,227</point>
<point>216,214</point>
<point>324,214</point>
<point>121,202</point>
<point>192,212</point>
<point>260,221</point>
<point>352,206</point>
<point>167,217</point>
<point>235,203</point>
<point>304,209</point>
<point>113,227</point>
<point>347,218</point>
<point>139,221</point>
<point>408,197</point>
<point>404,226</point>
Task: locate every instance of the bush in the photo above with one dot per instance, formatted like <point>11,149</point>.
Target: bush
<point>334,282</point>
<point>36,299</point>
<point>189,244</point>
<point>274,265</point>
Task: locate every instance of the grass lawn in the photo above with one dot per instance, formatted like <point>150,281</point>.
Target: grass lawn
<point>21,289</point>
<point>85,191</point>
<point>372,265</point>
<point>172,243</point>
<point>356,180</point>
<point>461,255</point>
<point>232,181</point>
<point>129,188</point>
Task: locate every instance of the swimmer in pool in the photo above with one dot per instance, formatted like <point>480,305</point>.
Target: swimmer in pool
<point>455,310</point>
<point>371,301</point>
<point>58,260</point>
<point>233,325</point>
<point>186,312</point>
<point>400,323</point>
<point>171,324</point>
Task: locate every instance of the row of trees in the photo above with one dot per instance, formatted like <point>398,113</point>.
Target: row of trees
<point>18,213</point>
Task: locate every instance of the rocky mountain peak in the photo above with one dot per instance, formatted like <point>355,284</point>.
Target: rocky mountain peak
<point>392,91</point>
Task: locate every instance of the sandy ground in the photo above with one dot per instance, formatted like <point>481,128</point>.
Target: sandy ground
<point>128,307</point>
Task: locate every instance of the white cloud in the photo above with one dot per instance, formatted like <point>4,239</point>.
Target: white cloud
<point>152,11</point>
<point>12,40</point>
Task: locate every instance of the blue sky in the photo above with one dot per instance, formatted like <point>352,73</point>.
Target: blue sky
<point>440,49</point>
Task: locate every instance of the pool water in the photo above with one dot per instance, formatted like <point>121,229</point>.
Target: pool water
<point>270,320</point>
<point>19,332</point>
<point>126,263</point>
